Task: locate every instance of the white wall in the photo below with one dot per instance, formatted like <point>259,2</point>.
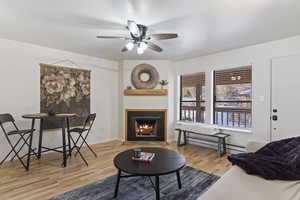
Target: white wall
<point>259,56</point>
<point>19,84</point>
<point>20,88</point>
<point>165,69</point>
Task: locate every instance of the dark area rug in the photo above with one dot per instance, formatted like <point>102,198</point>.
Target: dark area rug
<point>194,183</point>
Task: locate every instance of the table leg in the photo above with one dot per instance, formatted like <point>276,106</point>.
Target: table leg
<point>117,184</point>
<point>219,147</point>
<point>157,187</point>
<point>40,138</point>
<point>64,142</point>
<point>178,179</point>
<point>179,138</point>
<point>224,146</point>
<point>30,144</point>
<point>69,139</point>
<point>184,137</point>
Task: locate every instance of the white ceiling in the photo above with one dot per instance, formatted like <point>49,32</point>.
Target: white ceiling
<point>204,26</point>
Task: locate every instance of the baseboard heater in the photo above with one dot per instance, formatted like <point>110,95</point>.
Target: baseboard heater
<point>212,144</point>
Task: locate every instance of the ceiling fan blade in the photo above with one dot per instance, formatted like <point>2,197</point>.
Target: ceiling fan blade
<point>163,36</point>
<point>124,49</point>
<point>154,47</point>
<point>133,28</point>
<point>112,37</point>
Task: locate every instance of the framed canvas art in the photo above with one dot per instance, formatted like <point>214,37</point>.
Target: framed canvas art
<point>64,90</point>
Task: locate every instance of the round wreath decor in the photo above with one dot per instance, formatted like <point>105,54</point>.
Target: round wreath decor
<point>151,80</point>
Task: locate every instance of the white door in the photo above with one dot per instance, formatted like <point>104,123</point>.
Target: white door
<point>285,120</point>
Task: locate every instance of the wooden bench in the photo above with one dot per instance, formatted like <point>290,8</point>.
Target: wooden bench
<point>221,138</point>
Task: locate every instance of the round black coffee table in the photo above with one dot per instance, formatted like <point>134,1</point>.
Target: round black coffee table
<point>165,162</point>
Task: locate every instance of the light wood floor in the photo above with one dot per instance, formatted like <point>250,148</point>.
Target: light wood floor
<point>47,178</point>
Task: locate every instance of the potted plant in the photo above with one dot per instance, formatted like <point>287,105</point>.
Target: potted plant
<point>163,83</point>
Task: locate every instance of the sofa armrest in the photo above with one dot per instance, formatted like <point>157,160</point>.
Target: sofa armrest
<point>253,146</point>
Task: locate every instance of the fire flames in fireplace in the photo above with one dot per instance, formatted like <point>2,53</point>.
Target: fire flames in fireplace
<point>145,128</point>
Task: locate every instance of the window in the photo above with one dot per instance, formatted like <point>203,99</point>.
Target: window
<point>192,97</point>
<point>232,97</point>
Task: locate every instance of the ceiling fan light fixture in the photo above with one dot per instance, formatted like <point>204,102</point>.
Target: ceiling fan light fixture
<point>140,50</point>
<point>129,46</point>
<point>143,45</point>
<point>140,38</point>
<point>133,28</point>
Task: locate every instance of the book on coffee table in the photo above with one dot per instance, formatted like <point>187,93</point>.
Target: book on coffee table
<point>145,157</point>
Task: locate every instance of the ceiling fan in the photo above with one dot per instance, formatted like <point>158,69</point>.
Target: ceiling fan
<point>140,38</point>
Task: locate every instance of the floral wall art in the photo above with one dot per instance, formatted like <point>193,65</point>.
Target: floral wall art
<point>65,90</point>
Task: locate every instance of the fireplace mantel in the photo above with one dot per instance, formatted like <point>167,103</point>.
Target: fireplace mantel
<point>146,92</point>
<point>128,127</point>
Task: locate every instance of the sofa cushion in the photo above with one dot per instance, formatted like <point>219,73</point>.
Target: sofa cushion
<point>237,185</point>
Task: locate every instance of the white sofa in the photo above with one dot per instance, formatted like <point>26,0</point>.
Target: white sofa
<point>235,184</point>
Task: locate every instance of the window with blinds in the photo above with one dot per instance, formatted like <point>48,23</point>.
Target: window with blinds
<point>233,97</point>
<point>192,97</point>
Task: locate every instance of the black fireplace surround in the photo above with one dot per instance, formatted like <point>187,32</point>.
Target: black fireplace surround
<point>145,125</point>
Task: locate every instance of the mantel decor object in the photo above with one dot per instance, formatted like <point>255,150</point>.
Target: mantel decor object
<point>144,76</point>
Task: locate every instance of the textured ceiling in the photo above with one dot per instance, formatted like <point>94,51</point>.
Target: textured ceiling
<point>203,26</point>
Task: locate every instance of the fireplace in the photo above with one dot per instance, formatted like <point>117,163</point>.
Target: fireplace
<point>145,125</point>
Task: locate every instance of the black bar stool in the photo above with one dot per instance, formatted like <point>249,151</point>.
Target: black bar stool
<point>8,118</point>
<point>82,136</point>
